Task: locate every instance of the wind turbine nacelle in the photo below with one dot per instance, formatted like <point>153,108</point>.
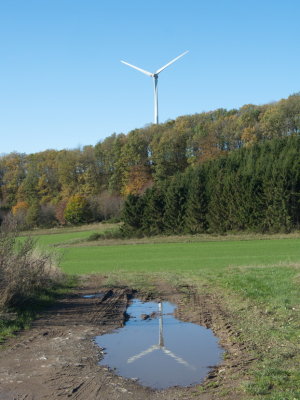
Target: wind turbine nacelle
<point>155,80</point>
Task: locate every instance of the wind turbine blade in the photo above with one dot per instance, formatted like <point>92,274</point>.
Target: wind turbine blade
<point>139,69</point>
<point>178,359</point>
<point>171,62</point>
<point>142,354</point>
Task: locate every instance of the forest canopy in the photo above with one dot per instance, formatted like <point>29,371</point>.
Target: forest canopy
<point>252,189</point>
<point>39,188</point>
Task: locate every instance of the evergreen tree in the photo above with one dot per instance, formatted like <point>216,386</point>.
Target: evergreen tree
<point>197,202</point>
<point>276,216</point>
<point>175,204</point>
<point>133,213</point>
<point>153,222</point>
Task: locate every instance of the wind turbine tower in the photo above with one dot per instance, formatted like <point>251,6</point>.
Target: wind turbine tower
<point>154,75</point>
<point>161,345</point>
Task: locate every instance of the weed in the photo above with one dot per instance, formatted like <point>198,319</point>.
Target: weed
<point>29,280</point>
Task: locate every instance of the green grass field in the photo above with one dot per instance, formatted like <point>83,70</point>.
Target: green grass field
<point>179,257</point>
<point>185,254</point>
<point>66,237</point>
<point>257,279</point>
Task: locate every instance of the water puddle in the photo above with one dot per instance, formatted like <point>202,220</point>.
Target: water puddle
<point>158,350</point>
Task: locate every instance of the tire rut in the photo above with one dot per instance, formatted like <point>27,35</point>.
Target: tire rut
<point>58,358</point>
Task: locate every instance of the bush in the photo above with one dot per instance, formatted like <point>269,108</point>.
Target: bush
<point>114,233</point>
<point>94,236</point>
<point>24,270</point>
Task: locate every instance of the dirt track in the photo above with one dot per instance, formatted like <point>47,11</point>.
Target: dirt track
<point>57,358</point>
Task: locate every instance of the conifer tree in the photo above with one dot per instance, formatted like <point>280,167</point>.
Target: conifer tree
<point>133,213</point>
<point>197,202</point>
<point>153,222</point>
<point>175,204</point>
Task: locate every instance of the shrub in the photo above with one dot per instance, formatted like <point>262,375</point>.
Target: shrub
<point>115,233</point>
<point>24,270</point>
<point>94,236</point>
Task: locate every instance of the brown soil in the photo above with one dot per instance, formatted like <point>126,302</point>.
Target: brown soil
<point>57,358</point>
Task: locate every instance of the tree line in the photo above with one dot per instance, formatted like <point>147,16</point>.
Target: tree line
<point>90,184</point>
<point>255,189</point>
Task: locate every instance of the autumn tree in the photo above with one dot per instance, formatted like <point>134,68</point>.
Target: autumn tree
<point>60,211</point>
<point>13,172</point>
<point>77,210</point>
<point>155,154</point>
<point>19,212</point>
<point>20,208</point>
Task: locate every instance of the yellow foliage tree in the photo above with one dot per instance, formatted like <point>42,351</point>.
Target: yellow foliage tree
<point>20,208</point>
<point>138,178</point>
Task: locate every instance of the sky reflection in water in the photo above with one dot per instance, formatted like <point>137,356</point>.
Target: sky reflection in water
<point>160,352</point>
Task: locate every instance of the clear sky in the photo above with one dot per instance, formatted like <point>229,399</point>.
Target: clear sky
<point>62,84</point>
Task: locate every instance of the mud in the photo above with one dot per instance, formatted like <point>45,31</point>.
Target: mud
<point>58,359</point>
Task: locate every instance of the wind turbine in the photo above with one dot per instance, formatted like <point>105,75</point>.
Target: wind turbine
<point>160,346</point>
<point>154,75</point>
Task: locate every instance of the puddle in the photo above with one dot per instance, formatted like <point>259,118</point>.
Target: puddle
<point>93,296</point>
<point>160,351</point>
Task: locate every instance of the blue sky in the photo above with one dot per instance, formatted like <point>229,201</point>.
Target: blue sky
<point>62,84</point>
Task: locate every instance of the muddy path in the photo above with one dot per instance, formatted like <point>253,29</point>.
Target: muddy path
<point>58,359</point>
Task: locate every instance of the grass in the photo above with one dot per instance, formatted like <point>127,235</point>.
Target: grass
<point>98,226</point>
<point>67,235</point>
<point>14,320</point>
<point>167,253</point>
<point>179,256</point>
<point>257,278</point>
<point>263,306</point>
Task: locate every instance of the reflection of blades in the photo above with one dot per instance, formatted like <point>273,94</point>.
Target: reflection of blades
<point>160,342</point>
<point>143,353</point>
<point>178,359</point>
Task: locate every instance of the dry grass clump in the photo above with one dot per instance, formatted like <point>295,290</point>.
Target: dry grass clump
<point>24,270</point>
